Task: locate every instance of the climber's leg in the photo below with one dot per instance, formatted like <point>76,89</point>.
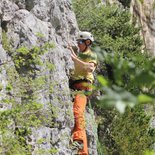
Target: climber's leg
<point>79,132</point>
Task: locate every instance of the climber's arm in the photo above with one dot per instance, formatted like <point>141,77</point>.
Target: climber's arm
<point>87,66</point>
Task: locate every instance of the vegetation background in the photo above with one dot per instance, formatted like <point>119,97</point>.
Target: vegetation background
<point>125,79</point>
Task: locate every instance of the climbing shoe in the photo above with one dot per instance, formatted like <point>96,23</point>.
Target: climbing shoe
<point>76,145</point>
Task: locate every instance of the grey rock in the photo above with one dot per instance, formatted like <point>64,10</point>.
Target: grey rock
<point>91,131</point>
<point>145,13</point>
<point>33,23</point>
<point>8,10</point>
<point>24,29</point>
<point>20,3</point>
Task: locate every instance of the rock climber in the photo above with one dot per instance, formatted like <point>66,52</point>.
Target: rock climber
<point>81,81</point>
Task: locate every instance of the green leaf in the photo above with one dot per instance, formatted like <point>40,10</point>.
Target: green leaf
<point>149,152</point>
<point>102,80</point>
<point>9,87</point>
<point>144,98</point>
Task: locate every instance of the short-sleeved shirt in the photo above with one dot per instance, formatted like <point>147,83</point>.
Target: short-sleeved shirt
<point>79,72</point>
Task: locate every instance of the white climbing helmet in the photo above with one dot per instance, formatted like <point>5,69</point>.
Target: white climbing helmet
<point>84,35</point>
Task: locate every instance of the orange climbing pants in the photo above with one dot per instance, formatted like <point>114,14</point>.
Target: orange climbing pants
<point>80,101</point>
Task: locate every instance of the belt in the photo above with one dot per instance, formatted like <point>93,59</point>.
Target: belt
<point>82,84</point>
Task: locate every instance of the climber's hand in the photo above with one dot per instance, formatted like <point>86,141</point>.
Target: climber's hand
<point>72,51</point>
<point>69,47</point>
<point>90,67</point>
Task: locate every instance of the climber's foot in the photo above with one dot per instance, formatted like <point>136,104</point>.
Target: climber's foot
<point>76,146</point>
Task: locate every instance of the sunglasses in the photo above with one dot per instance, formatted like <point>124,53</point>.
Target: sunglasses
<point>80,41</point>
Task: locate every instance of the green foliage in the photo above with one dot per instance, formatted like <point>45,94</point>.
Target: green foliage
<point>5,42</point>
<point>45,151</point>
<point>16,124</point>
<point>100,148</point>
<point>135,131</point>
<point>53,151</point>
<point>39,35</point>
<point>141,1</point>
<point>144,98</point>
<point>133,72</point>
<point>110,25</point>
<point>118,97</point>
<point>30,58</point>
<point>128,133</point>
<point>8,87</point>
<point>126,78</point>
<point>1,86</point>
<point>149,152</point>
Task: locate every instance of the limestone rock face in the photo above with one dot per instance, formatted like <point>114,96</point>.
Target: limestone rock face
<point>32,23</point>
<point>145,15</point>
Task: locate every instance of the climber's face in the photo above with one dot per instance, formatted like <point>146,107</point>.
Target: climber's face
<point>81,44</point>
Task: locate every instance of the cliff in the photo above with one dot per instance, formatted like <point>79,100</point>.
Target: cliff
<point>144,13</point>
<point>35,68</point>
